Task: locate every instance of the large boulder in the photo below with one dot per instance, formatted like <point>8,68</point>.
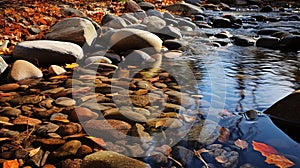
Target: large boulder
<point>130,39</point>
<point>76,30</point>
<point>109,159</point>
<point>48,52</point>
<point>22,69</point>
<point>185,8</point>
<point>154,23</point>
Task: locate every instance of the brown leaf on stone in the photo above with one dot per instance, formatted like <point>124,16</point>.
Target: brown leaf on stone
<point>98,141</point>
<point>221,159</point>
<point>11,164</point>
<point>224,134</point>
<point>240,143</point>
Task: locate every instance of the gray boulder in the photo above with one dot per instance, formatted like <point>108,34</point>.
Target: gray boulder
<point>77,30</point>
<point>48,52</point>
<point>185,8</point>
<point>154,23</point>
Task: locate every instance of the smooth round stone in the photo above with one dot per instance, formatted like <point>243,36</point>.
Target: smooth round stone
<point>183,22</point>
<point>83,114</point>
<point>24,70</point>
<point>69,129</point>
<point>186,8</point>
<point>173,44</point>
<point>137,57</point>
<point>130,17</point>
<point>65,101</point>
<point>84,150</point>
<point>10,112</point>
<point>59,117</point>
<point>173,54</point>
<point>154,23</point>
<point>152,12</point>
<point>137,26</point>
<point>23,120</point>
<point>48,52</point>
<point>243,40</point>
<point>132,6</point>
<point>268,31</point>
<point>140,15</point>
<point>171,22</point>
<point>126,39</point>
<point>267,8</point>
<point>169,32</point>
<point>224,34</point>
<point>168,15</point>
<point>115,22</point>
<point>268,42</point>
<point>56,70</point>
<point>68,149</point>
<point>111,159</point>
<point>94,59</point>
<point>221,22</point>
<point>9,87</point>
<point>146,5</point>
<point>290,43</point>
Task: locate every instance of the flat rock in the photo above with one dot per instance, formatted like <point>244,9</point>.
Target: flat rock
<point>127,39</point>
<point>65,101</point>
<point>241,40</point>
<point>77,30</point>
<point>111,159</point>
<point>9,87</point>
<point>22,69</point>
<point>154,23</point>
<point>48,52</point>
<point>83,114</point>
<point>10,112</point>
<point>146,5</point>
<point>113,21</point>
<point>23,120</point>
<point>56,70</point>
<point>100,59</point>
<point>268,42</point>
<point>152,12</point>
<point>169,32</point>
<point>130,18</point>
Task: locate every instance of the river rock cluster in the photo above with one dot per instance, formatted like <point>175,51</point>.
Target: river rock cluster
<point>116,107</point>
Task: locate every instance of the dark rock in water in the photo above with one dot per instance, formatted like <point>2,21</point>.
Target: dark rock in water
<point>233,19</point>
<point>146,5</point>
<point>169,32</point>
<point>199,17</point>
<point>137,57</point>
<point>219,22</point>
<point>173,44</point>
<point>243,40</point>
<point>290,43</point>
<point>268,31</point>
<point>268,42</point>
<point>267,8</point>
<point>186,157</point>
<point>259,18</point>
<point>109,159</point>
<point>285,113</point>
<point>224,34</point>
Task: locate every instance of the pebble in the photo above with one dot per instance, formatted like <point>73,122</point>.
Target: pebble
<point>132,6</point>
<point>83,151</point>
<point>65,102</point>
<point>10,112</point>
<point>69,129</point>
<point>56,70</point>
<point>22,69</point>
<point>113,159</point>
<point>146,5</point>
<point>82,114</point>
<point>23,120</point>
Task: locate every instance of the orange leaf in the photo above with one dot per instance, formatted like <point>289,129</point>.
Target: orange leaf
<point>224,134</point>
<point>264,149</point>
<point>221,159</point>
<point>279,161</point>
<point>240,143</point>
<point>99,141</point>
<point>11,164</point>
<point>154,79</point>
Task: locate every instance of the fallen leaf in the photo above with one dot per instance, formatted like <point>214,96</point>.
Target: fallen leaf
<point>71,66</point>
<point>240,143</point>
<point>224,134</point>
<point>4,139</point>
<point>34,151</point>
<point>11,164</point>
<point>264,149</point>
<point>59,77</point>
<point>279,161</point>
<point>99,141</point>
<point>221,159</point>
<point>154,79</point>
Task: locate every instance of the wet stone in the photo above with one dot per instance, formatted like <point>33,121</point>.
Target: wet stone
<point>50,127</point>
<point>51,141</point>
<point>69,129</point>
<point>59,117</point>
<point>8,133</point>
<point>23,120</point>
<point>9,87</point>
<point>69,163</point>
<point>68,149</point>
<point>83,114</point>
<point>83,151</point>
<point>10,112</point>
<point>65,101</point>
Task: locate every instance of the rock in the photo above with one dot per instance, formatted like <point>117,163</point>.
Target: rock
<point>22,69</point>
<point>126,39</point>
<point>72,12</point>
<point>194,2</point>
<point>8,133</point>
<point>132,6</point>
<point>140,15</point>
<point>48,52</point>
<point>56,70</point>
<point>23,120</point>
<point>286,109</point>
<point>113,21</point>
<point>99,59</point>
<point>174,44</point>
<point>243,40</point>
<point>185,8</point>
<point>171,22</point>
<point>65,101</point>
<point>169,32</point>
<point>268,31</point>
<point>9,87</point>
<point>154,23</point>
<point>111,159</point>
<point>69,129</point>
<point>59,117</point>
<point>137,57</point>
<point>266,8</point>
<point>224,34</point>
<point>220,22</point>
<point>83,151</point>
<point>130,18</point>
<point>68,149</point>
<point>3,65</point>
<point>290,43</point>
<point>146,5</point>
<point>77,30</point>
<point>199,17</point>
<point>168,15</point>
<point>10,112</point>
<point>139,131</point>
<point>184,22</point>
<point>171,55</point>
<point>153,12</point>
<point>108,129</point>
<point>51,141</point>
<point>184,156</point>
<point>82,114</point>
<point>50,127</point>
<point>268,42</point>
<point>126,114</point>
<point>137,26</point>
<point>68,163</point>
